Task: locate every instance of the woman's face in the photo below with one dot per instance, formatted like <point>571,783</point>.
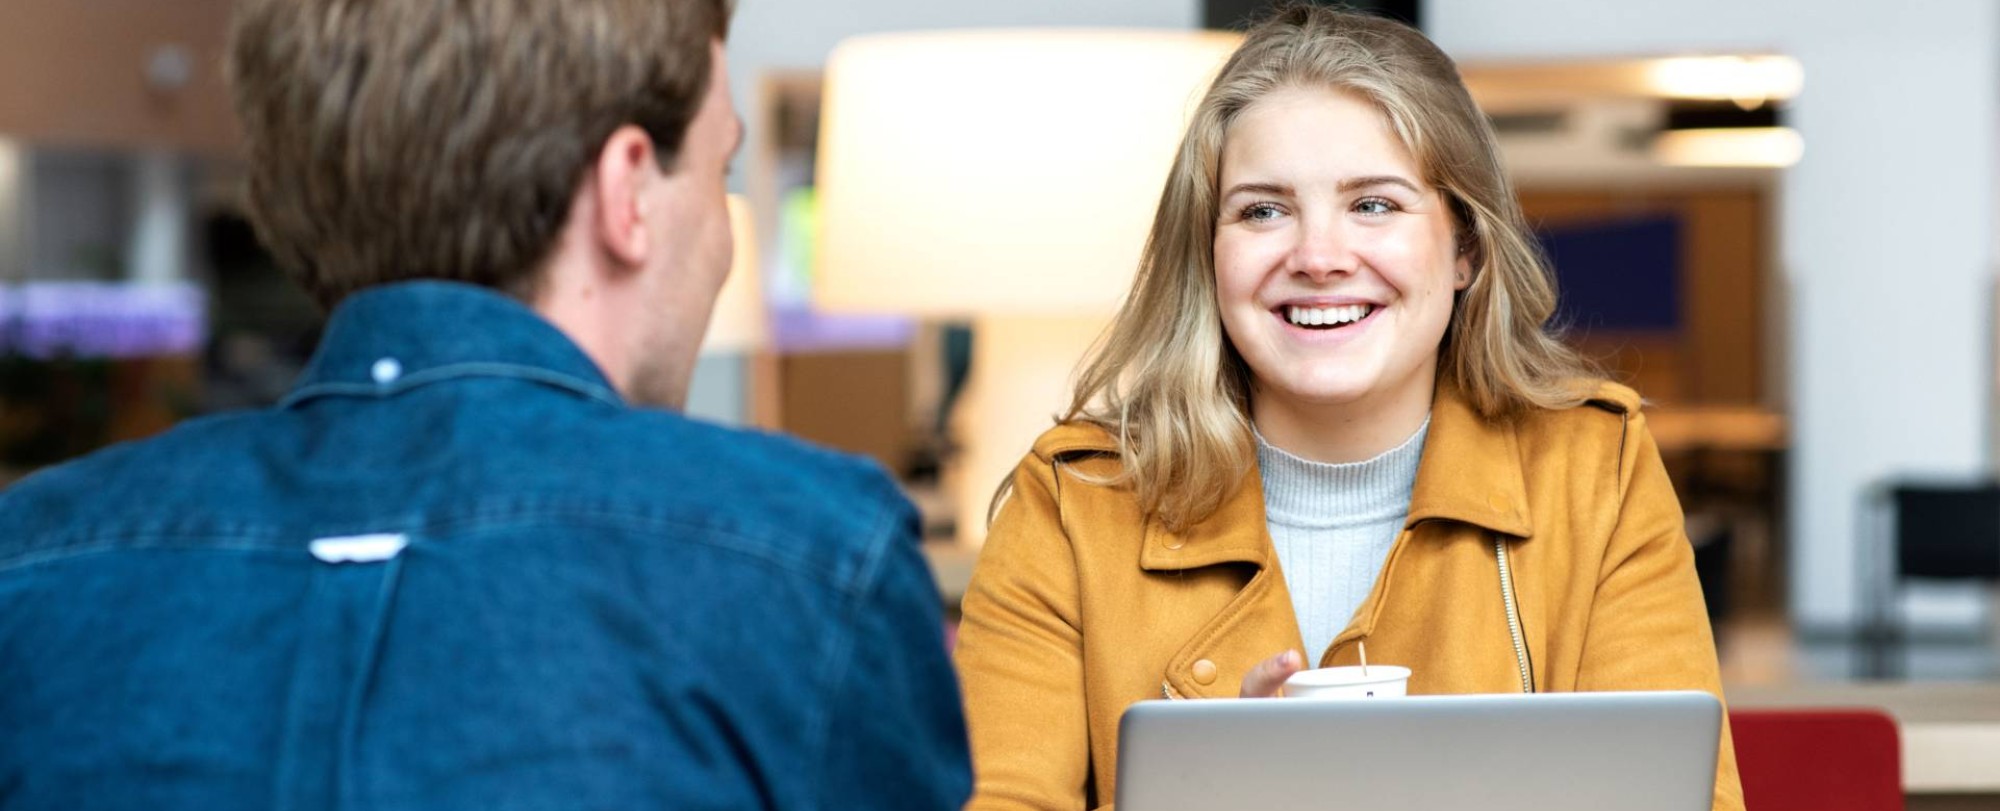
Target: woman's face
<point>1335,260</point>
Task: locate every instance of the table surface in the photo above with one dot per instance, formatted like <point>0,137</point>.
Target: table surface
<point>1722,428</point>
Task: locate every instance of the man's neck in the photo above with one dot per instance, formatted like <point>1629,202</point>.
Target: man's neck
<point>580,312</point>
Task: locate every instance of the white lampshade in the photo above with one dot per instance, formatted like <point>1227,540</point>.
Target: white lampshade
<point>1005,176</point>
<point>1010,172</point>
<point>737,324</point>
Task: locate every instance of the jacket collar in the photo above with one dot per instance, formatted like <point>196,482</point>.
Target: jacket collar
<point>389,339</point>
<point>1471,470</point>
<point>1470,473</point>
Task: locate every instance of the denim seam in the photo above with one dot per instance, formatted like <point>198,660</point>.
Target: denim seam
<point>286,795</point>
<point>883,534</point>
<point>450,372</point>
<point>839,661</point>
<point>115,542</point>
<point>346,788</point>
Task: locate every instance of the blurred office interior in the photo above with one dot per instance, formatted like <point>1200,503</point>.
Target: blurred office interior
<point>1774,218</point>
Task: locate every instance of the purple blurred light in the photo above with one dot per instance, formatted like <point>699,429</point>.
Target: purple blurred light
<point>44,320</point>
<point>800,329</point>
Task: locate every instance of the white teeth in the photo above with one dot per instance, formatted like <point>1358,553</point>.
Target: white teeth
<point>1318,316</point>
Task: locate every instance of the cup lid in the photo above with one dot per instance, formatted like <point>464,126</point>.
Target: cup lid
<point>1348,674</point>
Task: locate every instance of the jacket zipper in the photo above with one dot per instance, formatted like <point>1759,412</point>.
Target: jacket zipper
<point>1513,615</point>
<point>1167,692</point>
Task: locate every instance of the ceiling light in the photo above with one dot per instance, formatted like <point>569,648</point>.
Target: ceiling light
<point>1747,80</point>
<point>1765,147</point>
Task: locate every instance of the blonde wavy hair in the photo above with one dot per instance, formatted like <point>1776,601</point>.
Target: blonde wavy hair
<point>1166,381</point>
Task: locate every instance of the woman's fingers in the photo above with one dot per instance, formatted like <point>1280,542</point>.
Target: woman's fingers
<point>1264,680</point>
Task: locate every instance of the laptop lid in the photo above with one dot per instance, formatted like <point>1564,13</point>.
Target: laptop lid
<point>1652,751</point>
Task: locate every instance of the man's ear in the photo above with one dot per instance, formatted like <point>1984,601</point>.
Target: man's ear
<point>624,176</point>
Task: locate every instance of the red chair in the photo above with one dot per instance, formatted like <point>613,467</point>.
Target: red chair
<point>1818,760</point>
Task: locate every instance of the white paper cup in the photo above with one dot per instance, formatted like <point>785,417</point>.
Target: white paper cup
<point>1382,681</point>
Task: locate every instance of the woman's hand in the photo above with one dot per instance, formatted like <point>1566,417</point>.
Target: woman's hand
<point>1264,680</point>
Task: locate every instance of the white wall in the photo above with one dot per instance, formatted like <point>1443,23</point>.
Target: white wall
<point>1886,242</point>
<point>718,391</point>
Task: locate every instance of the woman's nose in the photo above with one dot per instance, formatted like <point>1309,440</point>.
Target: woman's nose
<point>1321,251</point>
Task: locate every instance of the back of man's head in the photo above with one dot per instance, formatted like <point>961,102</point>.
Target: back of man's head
<point>445,139</point>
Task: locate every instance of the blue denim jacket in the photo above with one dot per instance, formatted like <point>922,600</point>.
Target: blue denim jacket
<point>453,570</point>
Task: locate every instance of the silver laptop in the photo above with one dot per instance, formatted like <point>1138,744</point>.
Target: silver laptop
<point>1548,752</point>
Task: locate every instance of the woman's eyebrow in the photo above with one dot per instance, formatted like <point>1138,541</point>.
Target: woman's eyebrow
<point>1363,182</point>
<point>1262,188</point>
<point>1345,186</point>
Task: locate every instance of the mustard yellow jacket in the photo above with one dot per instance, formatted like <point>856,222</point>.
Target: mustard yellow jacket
<point>1078,607</point>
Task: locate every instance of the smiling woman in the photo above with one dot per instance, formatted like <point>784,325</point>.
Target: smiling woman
<point>1330,412</point>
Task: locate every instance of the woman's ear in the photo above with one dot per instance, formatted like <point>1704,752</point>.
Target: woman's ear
<point>1467,258</point>
<point>1465,232</point>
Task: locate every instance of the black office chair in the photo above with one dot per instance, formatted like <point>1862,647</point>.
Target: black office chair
<point>1934,531</point>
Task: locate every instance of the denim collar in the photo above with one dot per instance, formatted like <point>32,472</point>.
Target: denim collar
<point>387,340</point>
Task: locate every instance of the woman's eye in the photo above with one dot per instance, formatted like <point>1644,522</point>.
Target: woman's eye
<point>1375,206</point>
<point>1260,212</point>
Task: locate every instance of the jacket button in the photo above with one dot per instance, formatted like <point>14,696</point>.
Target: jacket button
<point>1204,672</point>
<point>385,371</point>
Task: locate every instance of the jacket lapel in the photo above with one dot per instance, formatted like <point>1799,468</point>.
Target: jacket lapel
<point>1256,623</point>
<point>1234,534</point>
<point>1470,471</point>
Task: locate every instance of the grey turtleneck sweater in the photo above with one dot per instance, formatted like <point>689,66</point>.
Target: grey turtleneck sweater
<point>1333,526</point>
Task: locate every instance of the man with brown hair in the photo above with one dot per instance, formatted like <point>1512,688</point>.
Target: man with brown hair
<point>456,567</point>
